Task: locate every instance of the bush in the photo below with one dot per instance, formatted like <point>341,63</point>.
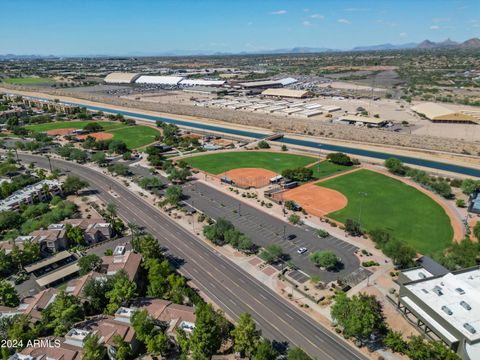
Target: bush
<point>324,259</point>
<point>340,159</point>
<point>294,219</point>
<point>263,145</point>
<point>322,233</point>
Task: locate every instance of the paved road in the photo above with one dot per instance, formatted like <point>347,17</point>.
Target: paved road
<point>226,284</point>
<point>265,229</point>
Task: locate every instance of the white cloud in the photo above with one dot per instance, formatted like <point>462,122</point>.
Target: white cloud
<point>306,10</point>
<point>317,16</point>
<point>307,23</point>
<point>403,34</point>
<point>434,27</point>
<point>343,21</point>
<point>279,12</point>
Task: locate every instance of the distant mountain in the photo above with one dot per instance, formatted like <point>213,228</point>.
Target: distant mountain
<point>382,47</point>
<point>473,43</point>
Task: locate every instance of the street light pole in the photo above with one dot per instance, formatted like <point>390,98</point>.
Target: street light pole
<point>240,209</point>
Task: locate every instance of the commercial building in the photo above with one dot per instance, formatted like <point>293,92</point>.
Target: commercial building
<point>201,82</point>
<point>159,80</point>
<point>361,120</point>
<point>121,78</point>
<point>288,93</point>
<point>441,114</point>
<point>264,84</point>
<point>444,305</point>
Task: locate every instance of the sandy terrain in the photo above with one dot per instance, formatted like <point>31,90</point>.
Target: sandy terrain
<point>249,177</point>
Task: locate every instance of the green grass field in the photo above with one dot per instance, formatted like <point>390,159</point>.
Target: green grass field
<point>28,81</point>
<point>221,162</point>
<point>107,125</point>
<point>135,136</point>
<point>404,211</point>
<point>326,168</point>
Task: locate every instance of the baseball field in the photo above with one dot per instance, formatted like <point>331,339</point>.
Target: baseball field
<point>381,202</point>
<point>134,136</point>
<point>224,161</point>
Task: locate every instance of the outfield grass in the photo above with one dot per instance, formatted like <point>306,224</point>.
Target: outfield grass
<point>135,136</point>
<point>326,168</point>
<point>221,162</point>
<point>28,81</point>
<point>107,125</point>
<point>390,204</point>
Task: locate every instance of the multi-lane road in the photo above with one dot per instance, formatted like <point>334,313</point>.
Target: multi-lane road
<point>225,283</point>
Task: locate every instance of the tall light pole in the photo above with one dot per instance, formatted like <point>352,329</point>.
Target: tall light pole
<point>49,162</point>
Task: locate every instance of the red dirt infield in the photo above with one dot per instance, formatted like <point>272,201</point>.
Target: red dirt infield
<point>97,136</point>
<point>249,177</point>
<point>60,132</point>
<point>316,200</point>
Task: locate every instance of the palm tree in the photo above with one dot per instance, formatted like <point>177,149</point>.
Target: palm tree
<point>135,231</point>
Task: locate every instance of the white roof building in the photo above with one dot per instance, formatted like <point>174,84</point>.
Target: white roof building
<point>201,82</point>
<point>159,80</point>
<point>121,78</point>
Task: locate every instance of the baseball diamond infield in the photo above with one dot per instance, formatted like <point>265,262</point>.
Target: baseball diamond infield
<point>249,177</point>
<point>316,200</point>
<point>61,132</point>
<point>97,136</point>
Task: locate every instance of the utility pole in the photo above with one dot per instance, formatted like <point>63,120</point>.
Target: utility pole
<point>49,162</point>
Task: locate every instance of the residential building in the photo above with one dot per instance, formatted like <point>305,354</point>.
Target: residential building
<point>172,315</point>
<point>94,230</point>
<point>31,193</point>
<point>31,305</point>
<point>128,261</point>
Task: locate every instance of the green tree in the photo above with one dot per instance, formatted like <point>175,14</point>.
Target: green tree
<point>150,248</point>
<point>94,291</point>
<point>209,333</point>
<point>353,228</point>
<point>123,350</point>
<point>73,184</point>
<point>157,274</point>
<point>119,169</point>
<point>62,313</point>
<point>265,351</point>
<point>74,234</point>
<point>245,335</point>
<point>325,259</point>
<point>93,349</point>
<point>8,294</point>
<point>173,195</point>
<point>294,219</point>
<point>340,159</point>
<point>89,263</point>
<point>401,254</point>
<point>93,127</point>
<point>360,316</point>
<point>20,329</point>
<point>99,158</point>
<point>272,253</point>
<point>395,166</point>
<point>158,343</point>
<point>122,292</point>
<point>296,353</point>
<point>394,341</point>
<point>263,145</point>
<point>469,186</point>
<point>143,324</point>
<point>476,230</point>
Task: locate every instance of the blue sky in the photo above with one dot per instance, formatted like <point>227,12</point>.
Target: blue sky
<point>120,27</point>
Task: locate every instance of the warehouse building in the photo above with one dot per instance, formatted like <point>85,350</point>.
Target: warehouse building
<point>286,93</point>
<point>201,82</point>
<point>159,80</point>
<point>441,114</point>
<point>265,84</point>
<point>361,120</point>
<point>121,78</point>
<point>444,305</point>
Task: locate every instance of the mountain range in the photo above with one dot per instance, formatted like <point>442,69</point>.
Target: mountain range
<point>473,43</point>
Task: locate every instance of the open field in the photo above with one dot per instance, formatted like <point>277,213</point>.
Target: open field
<point>28,81</point>
<point>221,162</point>
<point>326,168</point>
<point>389,204</point>
<point>107,125</point>
<point>135,136</point>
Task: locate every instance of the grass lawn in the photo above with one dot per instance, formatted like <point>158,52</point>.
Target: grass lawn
<point>28,81</point>
<point>107,125</point>
<point>404,211</point>
<point>326,168</point>
<point>221,162</point>
<point>135,136</point>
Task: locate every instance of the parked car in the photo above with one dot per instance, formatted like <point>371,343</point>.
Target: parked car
<point>302,250</point>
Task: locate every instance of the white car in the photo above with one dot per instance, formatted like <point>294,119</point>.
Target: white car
<point>302,250</point>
